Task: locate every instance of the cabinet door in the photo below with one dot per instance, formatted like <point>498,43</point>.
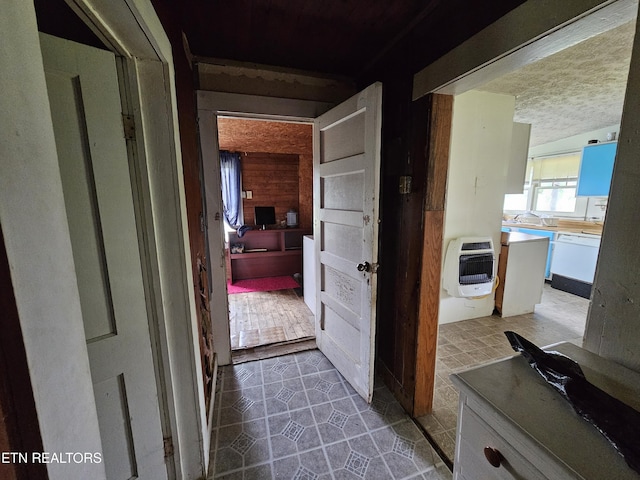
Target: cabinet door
<point>596,169</point>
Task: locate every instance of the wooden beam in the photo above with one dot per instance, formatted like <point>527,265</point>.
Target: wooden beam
<point>439,134</point>
<point>438,159</point>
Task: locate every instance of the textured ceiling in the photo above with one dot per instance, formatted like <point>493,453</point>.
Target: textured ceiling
<point>574,91</point>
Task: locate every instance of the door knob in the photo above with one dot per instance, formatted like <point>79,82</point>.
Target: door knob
<point>364,267</point>
<point>494,457</point>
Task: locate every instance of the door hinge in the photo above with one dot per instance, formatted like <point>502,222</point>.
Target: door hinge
<point>168,447</point>
<point>405,185</point>
<point>129,127</point>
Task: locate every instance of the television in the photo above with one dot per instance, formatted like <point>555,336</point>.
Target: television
<point>265,216</point>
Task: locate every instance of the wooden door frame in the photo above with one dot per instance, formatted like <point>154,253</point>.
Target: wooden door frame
<point>533,30</point>
<point>133,31</point>
<point>436,137</point>
<point>210,105</point>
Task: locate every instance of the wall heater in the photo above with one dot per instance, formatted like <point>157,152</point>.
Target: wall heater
<point>469,267</point>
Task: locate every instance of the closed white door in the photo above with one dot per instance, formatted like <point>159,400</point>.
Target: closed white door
<point>85,104</point>
<point>347,143</point>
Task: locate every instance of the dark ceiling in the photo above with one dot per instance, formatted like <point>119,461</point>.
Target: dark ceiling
<point>364,40</point>
<point>345,37</point>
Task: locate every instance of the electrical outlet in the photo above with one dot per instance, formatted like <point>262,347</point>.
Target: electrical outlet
<point>249,194</point>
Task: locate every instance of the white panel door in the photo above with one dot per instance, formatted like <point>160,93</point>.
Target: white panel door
<point>346,198</point>
<point>85,105</point>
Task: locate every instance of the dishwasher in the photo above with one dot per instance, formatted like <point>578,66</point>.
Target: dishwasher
<point>573,264</point>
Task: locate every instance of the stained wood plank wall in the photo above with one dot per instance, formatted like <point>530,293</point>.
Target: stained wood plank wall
<point>273,180</point>
<point>400,244</point>
<point>416,144</point>
<point>242,135</point>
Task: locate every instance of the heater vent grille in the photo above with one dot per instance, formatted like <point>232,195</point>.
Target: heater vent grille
<point>469,268</point>
<point>476,246</point>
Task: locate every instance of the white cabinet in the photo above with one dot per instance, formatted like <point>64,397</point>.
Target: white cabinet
<point>576,256</point>
<point>518,157</point>
<point>574,261</point>
<point>521,269</point>
<point>533,432</point>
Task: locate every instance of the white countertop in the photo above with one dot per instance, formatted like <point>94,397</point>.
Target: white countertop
<point>519,237</point>
<point>517,393</point>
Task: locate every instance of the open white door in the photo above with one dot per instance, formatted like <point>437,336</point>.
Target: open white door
<point>346,170</point>
<point>83,90</point>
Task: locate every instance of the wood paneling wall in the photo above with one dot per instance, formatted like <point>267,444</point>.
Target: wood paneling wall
<point>274,181</point>
<point>400,242</point>
<point>242,135</point>
<point>416,144</point>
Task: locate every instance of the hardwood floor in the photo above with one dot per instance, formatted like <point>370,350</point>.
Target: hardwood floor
<point>266,318</point>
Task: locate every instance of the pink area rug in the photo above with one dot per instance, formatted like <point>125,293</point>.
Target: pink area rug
<point>262,285</point>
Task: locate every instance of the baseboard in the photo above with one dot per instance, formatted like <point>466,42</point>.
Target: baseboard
<point>570,285</point>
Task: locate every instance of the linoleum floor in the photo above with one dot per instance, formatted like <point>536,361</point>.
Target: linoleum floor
<point>560,317</point>
<point>295,417</point>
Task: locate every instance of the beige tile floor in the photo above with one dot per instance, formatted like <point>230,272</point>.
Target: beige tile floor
<point>461,345</point>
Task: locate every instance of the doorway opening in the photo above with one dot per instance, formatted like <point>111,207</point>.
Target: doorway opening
<point>560,316</point>
<point>264,262</point>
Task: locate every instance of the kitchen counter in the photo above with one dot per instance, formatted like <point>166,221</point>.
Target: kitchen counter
<point>518,237</point>
<point>564,225</point>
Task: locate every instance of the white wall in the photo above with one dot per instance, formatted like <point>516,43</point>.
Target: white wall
<point>34,225</point>
<point>478,162</point>
<point>613,323</point>
<point>573,143</point>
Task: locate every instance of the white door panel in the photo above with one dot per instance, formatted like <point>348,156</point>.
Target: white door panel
<point>346,197</point>
<point>85,104</point>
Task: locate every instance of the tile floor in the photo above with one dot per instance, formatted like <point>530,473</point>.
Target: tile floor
<point>461,345</point>
<point>295,417</point>
<point>264,318</point>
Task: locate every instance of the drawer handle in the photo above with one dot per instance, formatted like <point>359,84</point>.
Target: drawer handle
<point>494,457</point>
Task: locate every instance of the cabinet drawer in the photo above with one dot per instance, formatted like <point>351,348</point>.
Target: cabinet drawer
<point>475,435</point>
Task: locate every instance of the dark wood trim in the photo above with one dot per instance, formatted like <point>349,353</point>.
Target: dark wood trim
<point>19,428</point>
<point>439,143</point>
<point>427,329</point>
<point>427,334</point>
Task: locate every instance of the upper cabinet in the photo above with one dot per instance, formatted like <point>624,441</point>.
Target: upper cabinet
<point>596,168</point>
<point>518,157</point>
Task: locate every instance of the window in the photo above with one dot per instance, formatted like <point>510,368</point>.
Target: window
<point>550,188</point>
<point>517,201</point>
<point>556,196</point>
